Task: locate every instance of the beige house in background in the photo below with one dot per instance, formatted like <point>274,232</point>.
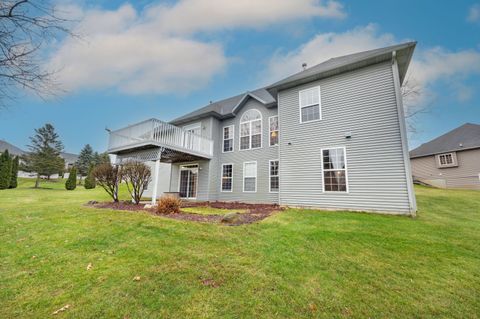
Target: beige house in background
<point>451,160</point>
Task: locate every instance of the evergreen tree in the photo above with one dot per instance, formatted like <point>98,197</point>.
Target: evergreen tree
<point>5,170</point>
<point>85,160</point>
<point>44,157</point>
<point>14,173</point>
<point>102,158</point>
<point>71,182</point>
<point>90,181</point>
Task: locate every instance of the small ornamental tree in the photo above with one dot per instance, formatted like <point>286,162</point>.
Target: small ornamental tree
<point>90,182</point>
<point>71,182</point>
<point>5,170</point>
<point>14,173</point>
<point>108,177</point>
<point>137,176</point>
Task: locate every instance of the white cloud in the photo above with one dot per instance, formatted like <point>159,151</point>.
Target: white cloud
<point>156,51</point>
<point>474,13</point>
<point>189,16</point>
<point>429,65</point>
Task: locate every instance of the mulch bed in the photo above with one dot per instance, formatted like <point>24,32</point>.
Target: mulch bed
<point>255,212</point>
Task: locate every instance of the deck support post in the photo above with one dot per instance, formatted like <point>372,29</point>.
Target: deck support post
<point>155,180</point>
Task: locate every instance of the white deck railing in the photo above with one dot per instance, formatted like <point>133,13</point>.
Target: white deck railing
<point>160,133</point>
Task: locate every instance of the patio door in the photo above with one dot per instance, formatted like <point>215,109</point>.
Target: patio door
<point>188,181</point>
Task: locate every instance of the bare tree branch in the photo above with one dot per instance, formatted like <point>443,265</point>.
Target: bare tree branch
<point>26,27</point>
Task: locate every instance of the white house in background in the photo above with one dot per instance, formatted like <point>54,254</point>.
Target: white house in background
<point>332,136</point>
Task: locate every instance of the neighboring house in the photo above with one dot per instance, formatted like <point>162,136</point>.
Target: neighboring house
<point>70,159</point>
<point>451,160</point>
<point>332,136</point>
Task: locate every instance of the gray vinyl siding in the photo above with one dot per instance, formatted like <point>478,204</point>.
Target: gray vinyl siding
<point>261,155</point>
<point>361,102</point>
<point>466,175</point>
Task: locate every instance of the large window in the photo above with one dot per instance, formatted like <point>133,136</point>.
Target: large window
<point>274,179</point>
<point>334,170</point>
<point>227,177</point>
<point>250,176</point>
<point>273,124</point>
<point>310,108</point>
<point>251,130</point>
<point>228,135</point>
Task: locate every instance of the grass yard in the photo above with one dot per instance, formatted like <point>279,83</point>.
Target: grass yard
<point>294,264</point>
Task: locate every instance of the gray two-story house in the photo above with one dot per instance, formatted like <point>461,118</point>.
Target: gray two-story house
<point>332,136</point>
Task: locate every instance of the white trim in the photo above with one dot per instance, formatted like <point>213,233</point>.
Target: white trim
<point>233,138</point>
<point>278,131</point>
<point>256,176</point>
<point>221,178</point>
<point>403,135</point>
<point>300,106</point>
<point>270,176</point>
<point>250,130</point>
<point>180,174</point>
<point>347,191</point>
<point>155,182</point>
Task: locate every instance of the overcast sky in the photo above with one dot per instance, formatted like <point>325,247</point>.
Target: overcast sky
<point>144,59</point>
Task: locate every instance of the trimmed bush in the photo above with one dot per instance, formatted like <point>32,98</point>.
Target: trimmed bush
<point>14,173</point>
<point>5,170</point>
<point>71,182</point>
<point>90,181</point>
<point>169,205</point>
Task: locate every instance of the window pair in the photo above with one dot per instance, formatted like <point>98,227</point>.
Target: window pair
<point>250,177</point>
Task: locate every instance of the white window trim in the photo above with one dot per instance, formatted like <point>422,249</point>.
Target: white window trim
<point>300,107</point>
<point>346,170</point>
<point>269,176</point>
<point>256,176</point>
<point>221,178</point>
<point>233,138</point>
<point>180,174</point>
<point>250,139</point>
<point>269,131</point>
<point>454,160</point>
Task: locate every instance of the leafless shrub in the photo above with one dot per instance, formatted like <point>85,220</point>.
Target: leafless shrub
<point>137,176</point>
<point>108,177</point>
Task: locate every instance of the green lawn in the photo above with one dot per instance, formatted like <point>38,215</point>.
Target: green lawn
<point>295,264</point>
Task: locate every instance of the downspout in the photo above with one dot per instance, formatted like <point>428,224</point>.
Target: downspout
<point>403,135</point>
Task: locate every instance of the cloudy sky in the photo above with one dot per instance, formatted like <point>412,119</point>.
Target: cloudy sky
<point>144,59</point>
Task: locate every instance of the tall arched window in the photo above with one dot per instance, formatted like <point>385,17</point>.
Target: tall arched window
<point>251,130</point>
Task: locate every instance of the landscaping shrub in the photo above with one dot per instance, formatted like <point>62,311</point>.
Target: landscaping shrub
<point>90,182</point>
<point>71,182</point>
<point>14,173</point>
<point>169,205</point>
<point>108,177</point>
<point>137,176</point>
<point>5,170</point>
